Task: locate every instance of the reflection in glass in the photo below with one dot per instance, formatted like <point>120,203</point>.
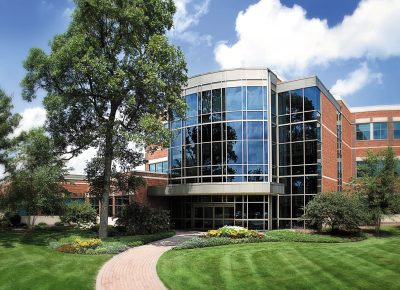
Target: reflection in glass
<point>206,102</point>
<point>254,130</point>
<point>191,155</point>
<point>296,98</point>
<point>177,138</point>
<point>297,153</point>
<point>216,153</point>
<point>176,155</point>
<point>234,131</point>
<point>191,101</point>
<point>298,185</point>
<point>191,135</point>
<point>233,99</point>
<point>311,99</point>
<point>255,150</point>
<point>254,98</point>
<point>216,100</point>
<point>284,103</point>
<point>234,152</point>
<point>297,132</point>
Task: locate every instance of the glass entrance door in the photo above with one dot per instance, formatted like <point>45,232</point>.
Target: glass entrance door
<point>207,216</point>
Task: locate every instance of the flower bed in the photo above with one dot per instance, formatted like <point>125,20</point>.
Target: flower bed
<point>90,246</point>
<point>223,236</point>
<point>235,232</point>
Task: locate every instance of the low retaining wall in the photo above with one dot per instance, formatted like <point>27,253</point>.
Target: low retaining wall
<point>47,219</point>
<point>391,219</point>
<point>51,220</point>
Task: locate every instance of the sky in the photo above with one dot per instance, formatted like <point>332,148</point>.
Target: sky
<point>353,46</point>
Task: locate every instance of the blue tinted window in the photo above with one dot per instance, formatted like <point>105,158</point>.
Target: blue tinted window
<point>396,130</point>
<point>176,157</point>
<point>255,115</point>
<point>312,99</point>
<point>234,169</point>
<point>380,131</point>
<point>234,116</point>
<point>159,167</point>
<point>363,131</point>
<point>254,130</point>
<point>283,103</point>
<point>152,167</point>
<point>191,101</point>
<point>234,152</point>
<point>255,152</point>
<point>234,99</point>
<point>177,138</point>
<point>255,98</point>
<point>234,131</point>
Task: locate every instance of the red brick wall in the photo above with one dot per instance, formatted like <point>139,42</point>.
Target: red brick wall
<point>348,158</point>
<point>329,145</point>
<point>361,146</point>
<point>160,153</point>
<point>78,188</point>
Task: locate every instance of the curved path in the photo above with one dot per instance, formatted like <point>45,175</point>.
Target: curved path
<point>135,269</point>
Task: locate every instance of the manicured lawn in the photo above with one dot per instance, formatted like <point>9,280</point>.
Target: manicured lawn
<point>373,263</point>
<point>26,261</point>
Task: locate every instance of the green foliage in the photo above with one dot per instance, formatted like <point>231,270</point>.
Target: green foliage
<point>35,176</point>
<point>378,185</point>
<point>204,242</point>
<point>79,213</point>
<point>111,78</point>
<point>336,210</point>
<point>138,219</point>
<point>42,226</point>
<point>8,122</point>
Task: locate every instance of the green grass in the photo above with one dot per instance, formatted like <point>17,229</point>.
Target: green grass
<point>26,261</point>
<point>373,263</point>
<point>296,236</point>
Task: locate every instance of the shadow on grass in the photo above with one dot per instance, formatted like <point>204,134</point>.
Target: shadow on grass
<point>38,237</point>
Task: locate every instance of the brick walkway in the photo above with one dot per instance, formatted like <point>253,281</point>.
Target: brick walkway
<point>135,269</point>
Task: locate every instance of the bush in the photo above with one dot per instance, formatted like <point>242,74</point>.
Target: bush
<point>137,219</point>
<point>59,224</point>
<point>10,219</point>
<point>41,226</point>
<point>79,213</point>
<point>336,210</point>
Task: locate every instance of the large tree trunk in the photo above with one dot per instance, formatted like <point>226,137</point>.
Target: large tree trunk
<point>108,158</point>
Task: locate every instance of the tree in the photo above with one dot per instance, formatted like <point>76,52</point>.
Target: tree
<point>8,122</point>
<point>35,176</point>
<point>378,184</point>
<point>111,78</point>
<point>337,210</point>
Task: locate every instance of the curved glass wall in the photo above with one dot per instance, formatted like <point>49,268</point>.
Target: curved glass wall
<point>224,137</point>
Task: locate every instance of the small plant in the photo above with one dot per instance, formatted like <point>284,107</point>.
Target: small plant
<point>42,226</point>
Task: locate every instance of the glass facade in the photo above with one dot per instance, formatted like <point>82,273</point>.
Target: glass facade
<point>396,130</point>
<point>224,137</point>
<point>299,161</point>
<point>207,212</point>
<point>161,167</point>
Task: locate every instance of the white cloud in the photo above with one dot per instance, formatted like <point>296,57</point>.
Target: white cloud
<point>283,38</point>
<point>355,81</point>
<point>31,118</point>
<point>185,19</point>
<point>77,164</point>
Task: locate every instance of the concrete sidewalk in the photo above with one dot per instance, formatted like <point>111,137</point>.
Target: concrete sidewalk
<point>135,268</point>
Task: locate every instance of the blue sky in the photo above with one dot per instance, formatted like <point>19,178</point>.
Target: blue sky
<point>202,25</point>
<point>352,46</point>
